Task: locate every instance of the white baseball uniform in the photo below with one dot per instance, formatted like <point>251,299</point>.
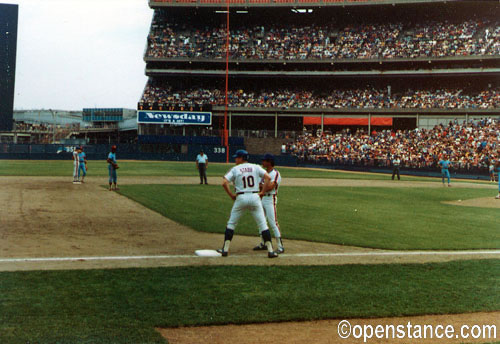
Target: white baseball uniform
<point>76,165</point>
<point>245,178</point>
<point>269,202</point>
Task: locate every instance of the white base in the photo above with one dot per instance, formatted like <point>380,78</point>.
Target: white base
<point>207,253</point>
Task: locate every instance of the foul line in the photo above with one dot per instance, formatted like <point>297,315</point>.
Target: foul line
<point>345,254</point>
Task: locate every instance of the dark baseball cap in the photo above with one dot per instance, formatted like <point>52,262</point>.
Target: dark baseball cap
<point>240,153</point>
<point>268,157</point>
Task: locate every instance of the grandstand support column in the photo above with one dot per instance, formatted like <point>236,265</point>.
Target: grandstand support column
<point>418,121</point>
<point>369,123</point>
<point>230,123</point>
<point>466,118</point>
<point>322,122</point>
<point>276,125</point>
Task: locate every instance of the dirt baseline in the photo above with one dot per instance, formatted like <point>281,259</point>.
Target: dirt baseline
<point>49,217</point>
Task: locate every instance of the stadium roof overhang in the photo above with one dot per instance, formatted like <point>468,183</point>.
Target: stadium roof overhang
<point>286,3</point>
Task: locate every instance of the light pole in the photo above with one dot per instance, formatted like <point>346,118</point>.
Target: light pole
<point>226,134</point>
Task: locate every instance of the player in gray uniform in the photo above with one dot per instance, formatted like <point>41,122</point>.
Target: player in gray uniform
<point>270,201</point>
<point>246,177</point>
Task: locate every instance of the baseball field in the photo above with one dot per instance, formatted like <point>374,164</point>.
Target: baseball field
<point>81,264</point>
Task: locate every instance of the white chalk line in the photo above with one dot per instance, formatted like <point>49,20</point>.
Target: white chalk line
<point>285,255</point>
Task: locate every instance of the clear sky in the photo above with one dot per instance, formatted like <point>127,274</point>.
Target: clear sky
<point>73,54</point>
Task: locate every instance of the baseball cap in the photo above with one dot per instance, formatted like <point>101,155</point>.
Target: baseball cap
<point>240,153</point>
<point>268,156</point>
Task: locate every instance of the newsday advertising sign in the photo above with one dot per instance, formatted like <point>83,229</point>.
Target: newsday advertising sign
<point>174,117</point>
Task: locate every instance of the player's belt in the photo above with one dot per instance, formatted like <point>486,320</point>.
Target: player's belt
<point>268,194</point>
<point>241,193</point>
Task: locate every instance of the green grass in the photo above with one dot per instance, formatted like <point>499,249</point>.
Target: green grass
<point>167,168</point>
<point>124,306</point>
<point>391,218</point>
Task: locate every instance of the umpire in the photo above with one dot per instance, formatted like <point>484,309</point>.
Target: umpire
<point>202,164</point>
<point>395,164</point>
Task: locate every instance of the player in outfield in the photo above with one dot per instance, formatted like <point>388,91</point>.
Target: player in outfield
<point>112,167</point>
<point>445,166</point>
<point>270,202</point>
<point>246,177</point>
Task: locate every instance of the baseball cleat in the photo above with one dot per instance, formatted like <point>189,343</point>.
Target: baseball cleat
<point>223,253</point>
<point>497,197</point>
<point>260,247</point>
<point>272,255</point>
<point>280,250</point>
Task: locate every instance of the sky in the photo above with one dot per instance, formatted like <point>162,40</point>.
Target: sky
<point>73,54</point>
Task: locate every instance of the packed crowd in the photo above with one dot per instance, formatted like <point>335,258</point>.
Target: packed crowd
<point>468,145</point>
<point>293,42</point>
<point>338,98</point>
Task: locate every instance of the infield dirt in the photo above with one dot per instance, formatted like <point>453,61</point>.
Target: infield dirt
<point>47,217</point>
<point>325,331</point>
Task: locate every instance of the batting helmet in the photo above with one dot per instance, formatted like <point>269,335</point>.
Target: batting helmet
<point>241,153</point>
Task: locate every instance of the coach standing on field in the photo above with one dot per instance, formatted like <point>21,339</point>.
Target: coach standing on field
<point>202,164</point>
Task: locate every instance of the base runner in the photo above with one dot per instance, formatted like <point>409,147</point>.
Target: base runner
<point>246,177</point>
<point>270,201</point>
<point>76,165</point>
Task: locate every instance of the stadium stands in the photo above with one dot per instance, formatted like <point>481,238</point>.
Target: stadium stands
<point>335,98</point>
<point>296,66</point>
<point>470,146</point>
<point>171,39</point>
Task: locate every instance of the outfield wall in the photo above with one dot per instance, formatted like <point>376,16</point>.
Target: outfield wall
<point>188,152</point>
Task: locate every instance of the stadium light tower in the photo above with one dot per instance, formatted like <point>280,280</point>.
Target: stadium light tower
<point>226,134</point>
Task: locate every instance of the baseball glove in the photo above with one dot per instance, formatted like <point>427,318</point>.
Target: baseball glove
<point>115,166</point>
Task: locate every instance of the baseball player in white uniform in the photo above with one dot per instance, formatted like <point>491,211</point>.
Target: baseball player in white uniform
<point>76,165</point>
<point>246,178</point>
<point>270,201</point>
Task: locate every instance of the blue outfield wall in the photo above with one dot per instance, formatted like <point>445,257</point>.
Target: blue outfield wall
<point>190,140</point>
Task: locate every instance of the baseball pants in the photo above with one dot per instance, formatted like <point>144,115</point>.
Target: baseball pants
<point>76,167</point>
<point>81,170</point>
<point>112,174</point>
<point>202,168</point>
<point>269,204</point>
<point>248,202</point>
<point>395,172</point>
<point>445,174</point>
